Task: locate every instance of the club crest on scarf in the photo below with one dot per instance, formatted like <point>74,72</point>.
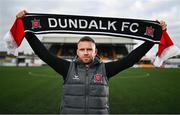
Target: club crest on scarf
<point>149,31</point>
<point>35,24</point>
<point>98,77</point>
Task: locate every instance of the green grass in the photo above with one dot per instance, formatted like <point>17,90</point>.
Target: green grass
<point>38,90</point>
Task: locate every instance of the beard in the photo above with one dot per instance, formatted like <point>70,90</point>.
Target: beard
<point>87,60</point>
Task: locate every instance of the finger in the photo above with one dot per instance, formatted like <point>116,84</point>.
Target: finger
<point>25,12</point>
<point>161,22</point>
<point>21,14</point>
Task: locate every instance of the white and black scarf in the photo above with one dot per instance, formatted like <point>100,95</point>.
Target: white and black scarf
<point>146,30</point>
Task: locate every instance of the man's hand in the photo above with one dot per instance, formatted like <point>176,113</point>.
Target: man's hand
<point>21,14</point>
<point>163,25</point>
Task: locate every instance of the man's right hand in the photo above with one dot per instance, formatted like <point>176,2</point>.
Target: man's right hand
<point>21,14</point>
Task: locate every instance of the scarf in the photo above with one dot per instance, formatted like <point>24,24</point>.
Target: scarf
<point>72,24</point>
<point>146,30</point>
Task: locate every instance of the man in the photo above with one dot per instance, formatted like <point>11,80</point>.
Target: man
<point>85,87</point>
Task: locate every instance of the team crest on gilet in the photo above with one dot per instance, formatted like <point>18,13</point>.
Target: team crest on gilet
<point>98,77</point>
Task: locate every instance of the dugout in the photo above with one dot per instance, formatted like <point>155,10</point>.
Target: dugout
<point>109,48</point>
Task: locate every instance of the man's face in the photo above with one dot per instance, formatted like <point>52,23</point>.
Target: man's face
<point>86,51</point>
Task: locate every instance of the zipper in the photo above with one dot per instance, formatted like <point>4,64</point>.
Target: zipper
<point>86,90</point>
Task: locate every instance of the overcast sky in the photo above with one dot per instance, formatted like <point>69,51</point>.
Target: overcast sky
<point>168,10</point>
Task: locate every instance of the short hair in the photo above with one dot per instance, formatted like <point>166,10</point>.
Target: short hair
<point>86,38</point>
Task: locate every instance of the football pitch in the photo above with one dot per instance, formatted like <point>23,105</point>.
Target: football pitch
<point>136,90</point>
